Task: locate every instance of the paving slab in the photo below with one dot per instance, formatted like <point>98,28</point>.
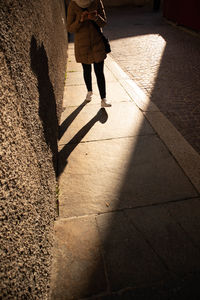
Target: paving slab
<point>138,96</point>
<point>130,261</point>
<point>73,67</point>
<point>135,93</point>
<point>75,96</point>
<point>114,67</point>
<point>167,238</point>
<point>119,173</point>
<point>93,123</point>
<point>185,155</point>
<point>77,254</point>
<point>186,214</point>
<point>184,288</point>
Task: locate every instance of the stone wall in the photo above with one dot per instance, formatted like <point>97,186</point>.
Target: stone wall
<point>33,50</point>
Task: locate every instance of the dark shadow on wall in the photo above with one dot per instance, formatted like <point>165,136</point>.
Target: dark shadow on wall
<point>47,101</point>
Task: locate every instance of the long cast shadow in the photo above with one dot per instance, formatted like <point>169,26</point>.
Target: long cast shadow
<point>67,122</point>
<point>64,153</point>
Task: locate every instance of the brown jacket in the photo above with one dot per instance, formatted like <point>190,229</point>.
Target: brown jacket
<point>89,47</point>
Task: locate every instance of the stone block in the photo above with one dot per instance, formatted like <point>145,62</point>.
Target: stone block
<point>167,238</point>
<point>130,261</point>
<point>78,268</point>
<point>115,174</point>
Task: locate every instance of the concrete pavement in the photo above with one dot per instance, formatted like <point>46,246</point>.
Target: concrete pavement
<point>128,225</point>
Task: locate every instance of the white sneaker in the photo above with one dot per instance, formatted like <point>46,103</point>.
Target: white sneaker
<point>105,103</point>
<point>88,97</point>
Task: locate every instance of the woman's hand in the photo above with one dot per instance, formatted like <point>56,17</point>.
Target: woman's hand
<point>84,16</point>
<point>92,15</point>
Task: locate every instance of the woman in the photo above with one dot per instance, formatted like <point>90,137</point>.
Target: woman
<point>82,19</point>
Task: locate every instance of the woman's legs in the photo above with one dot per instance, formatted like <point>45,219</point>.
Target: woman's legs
<point>99,72</point>
<point>98,68</point>
<point>87,70</point>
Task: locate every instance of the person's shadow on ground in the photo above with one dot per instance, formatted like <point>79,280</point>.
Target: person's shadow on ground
<point>67,122</point>
<point>65,152</point>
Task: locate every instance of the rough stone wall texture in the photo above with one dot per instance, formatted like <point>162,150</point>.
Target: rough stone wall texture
<point>33,50</point>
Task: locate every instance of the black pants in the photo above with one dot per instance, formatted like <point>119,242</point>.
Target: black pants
<point>87,74</point>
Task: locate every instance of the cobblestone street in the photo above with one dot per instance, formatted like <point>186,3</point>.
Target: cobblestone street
<point>164,61</point>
